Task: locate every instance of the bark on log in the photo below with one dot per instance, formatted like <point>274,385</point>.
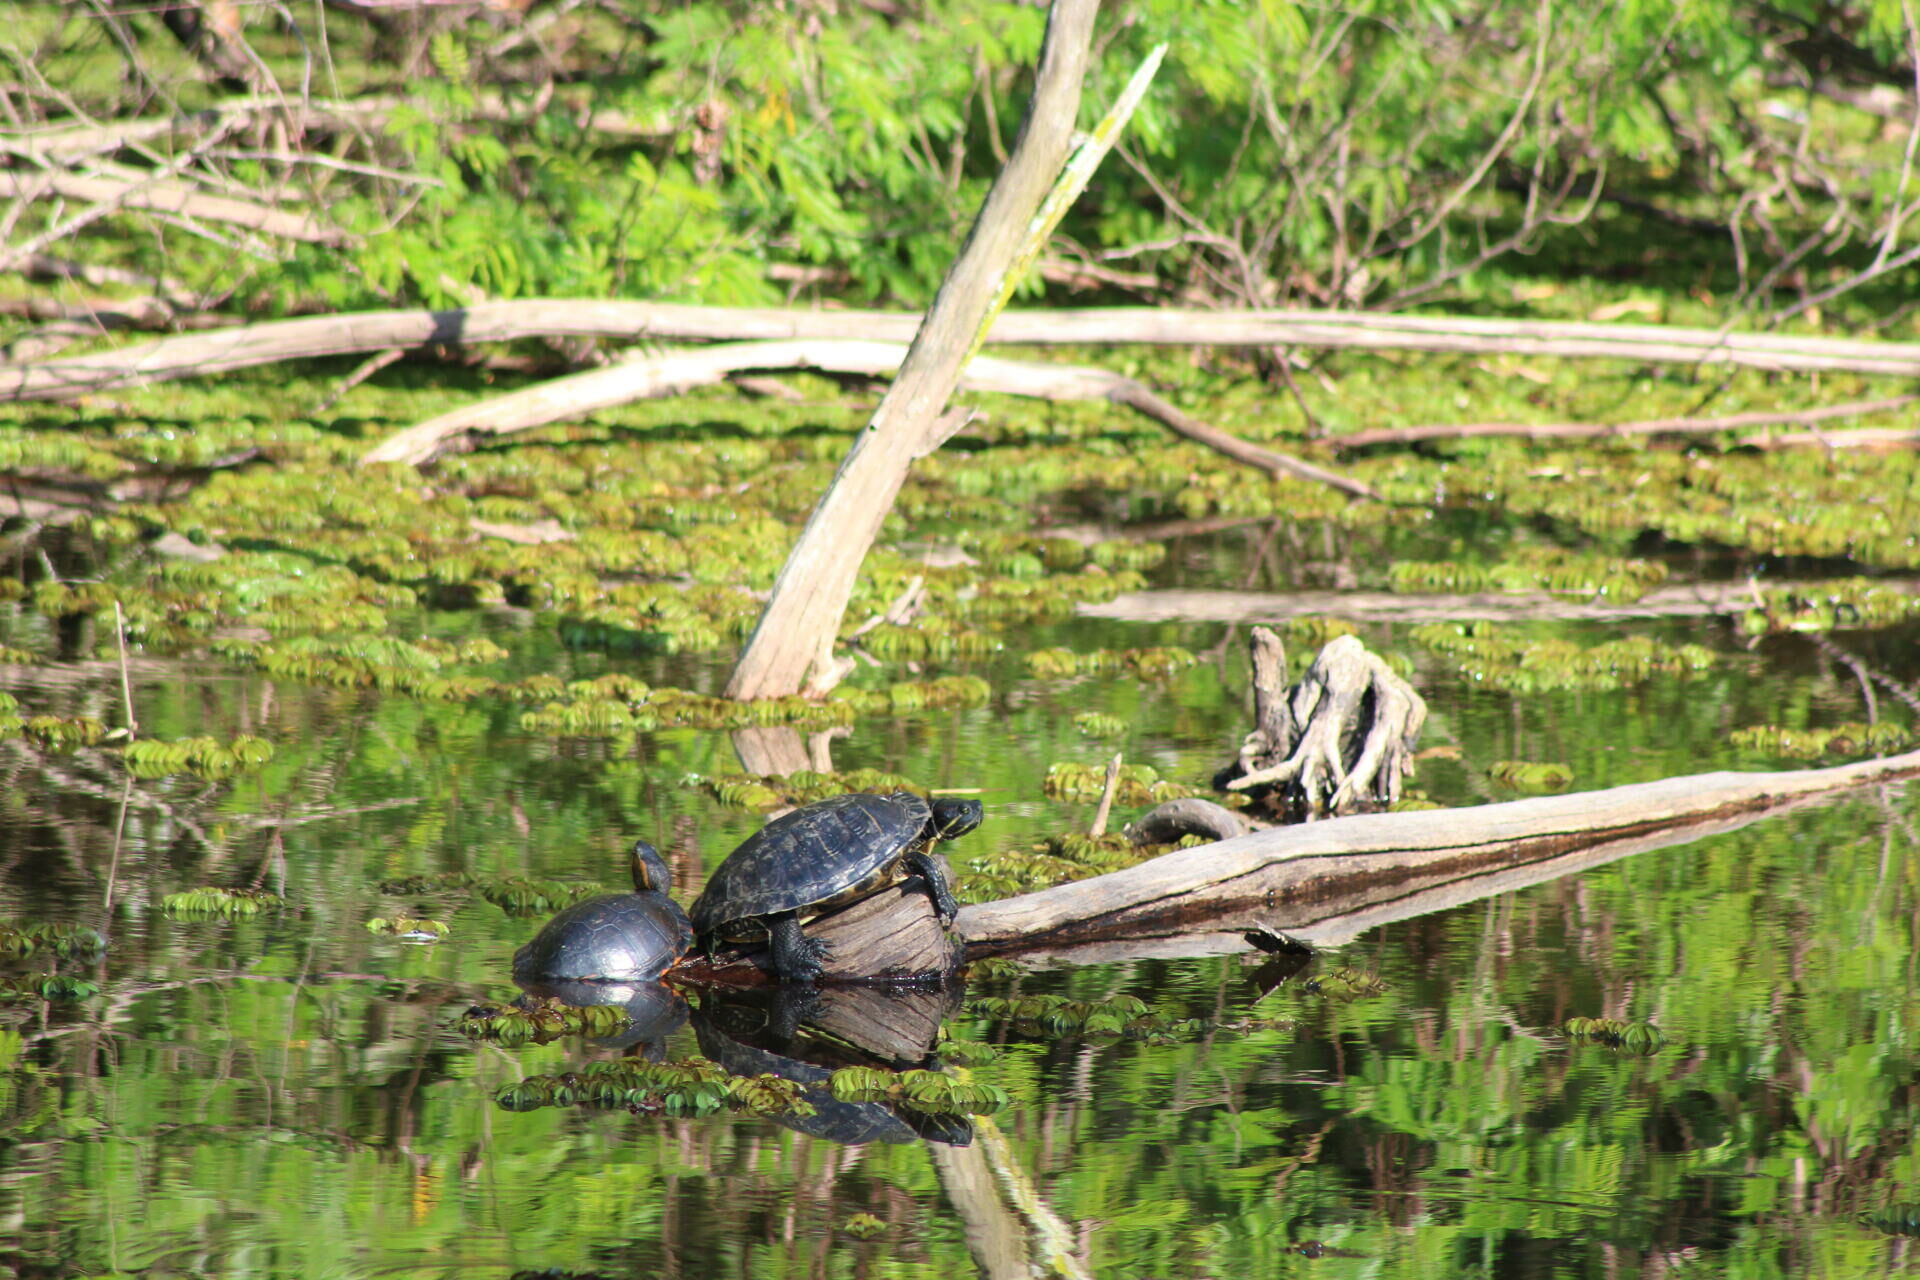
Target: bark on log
<point>244,347</point>
<point>1693,600</point>
<point>888,937</point>
<point>810,595</point>
<point>1303,864</point>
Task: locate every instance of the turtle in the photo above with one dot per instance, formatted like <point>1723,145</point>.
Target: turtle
<point>616,937</point>
<point>822,855</point>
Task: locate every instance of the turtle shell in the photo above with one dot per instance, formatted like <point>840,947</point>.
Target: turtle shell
<point>825,853</point>
<point>617,937</point>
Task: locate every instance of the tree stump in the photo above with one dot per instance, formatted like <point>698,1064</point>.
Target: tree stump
<point>1340,739</point>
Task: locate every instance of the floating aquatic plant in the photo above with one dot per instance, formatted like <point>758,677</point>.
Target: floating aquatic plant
<point>1525,775</point>
<point>1563,573</point>
<point>1842,739</point>
<point>804,786</point>
<point>220,902</point>
<point>204,757</point>
<point>46,986</point>
<point>414,928</point>
<point>929,1092</point>
<point>1345,984</point>
<point>1495,656</point>
<point>540,1021</point>
<point>1640,1039</point>
<point>692,1087</point>
<point>67,941</point>
<point>1138,784</point>
<point>1148,664</point>
<point>1851,604</point>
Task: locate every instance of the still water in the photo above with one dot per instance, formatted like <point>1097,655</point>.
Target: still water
<point>289,1094</point>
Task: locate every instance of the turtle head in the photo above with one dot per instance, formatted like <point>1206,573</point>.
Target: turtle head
<point>953,818</point>
<point>650,872</point>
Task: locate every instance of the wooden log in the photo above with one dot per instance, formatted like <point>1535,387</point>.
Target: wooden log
<point>202,355</point>
<point>890,937</point>
<point>1311,862</point>
<point>1603,430</point>
<point>791,644</point>
<point>1690,600</point>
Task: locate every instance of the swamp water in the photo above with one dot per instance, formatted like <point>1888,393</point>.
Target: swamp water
<point>288,1094</point>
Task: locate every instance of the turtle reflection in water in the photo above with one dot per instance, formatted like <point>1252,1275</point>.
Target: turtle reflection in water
<point>822,855</point>
<point>849,1026</point>
<point>617,937</point>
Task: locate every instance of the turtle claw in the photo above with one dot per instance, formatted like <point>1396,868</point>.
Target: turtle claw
<point>796,957</point>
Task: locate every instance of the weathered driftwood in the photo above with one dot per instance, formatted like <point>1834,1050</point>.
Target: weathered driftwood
<point>1320,860</point>
<point>1342,914</point>
<point>671,373</point>
<point>1693,600</point>
<point>791,647</point>
<point>1190,816</point>
<point>1603,430</point>
<point>1344,734</point>
<point>201,355</point>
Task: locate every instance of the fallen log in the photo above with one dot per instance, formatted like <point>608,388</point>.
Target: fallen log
<point>1692,600</point>
<point>677,371</point>
<point>1645,427</point>
<point>1321,860</point>
<point>200,355</point>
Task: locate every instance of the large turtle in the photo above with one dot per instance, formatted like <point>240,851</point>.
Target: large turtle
<point>819,856</point>
<point>617,937</point>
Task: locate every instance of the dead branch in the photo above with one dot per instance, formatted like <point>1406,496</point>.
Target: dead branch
<point>164,195</point>
<point>1300,864</point>
<point>678,371</point>
<point>1646,427</point>
<point>1694,600</point>
<point>311,337</point>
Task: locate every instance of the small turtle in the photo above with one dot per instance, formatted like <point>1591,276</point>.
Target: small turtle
<point>617,937</point>
<point>820,856</point>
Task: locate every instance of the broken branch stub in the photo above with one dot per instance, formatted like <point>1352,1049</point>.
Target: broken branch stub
<point>1342,736</point>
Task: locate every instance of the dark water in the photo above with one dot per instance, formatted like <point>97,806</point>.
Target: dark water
<point>289,1095</point>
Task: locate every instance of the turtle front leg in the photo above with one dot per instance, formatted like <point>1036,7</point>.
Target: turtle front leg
<point>922,864</point>
<point>796,957</point>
